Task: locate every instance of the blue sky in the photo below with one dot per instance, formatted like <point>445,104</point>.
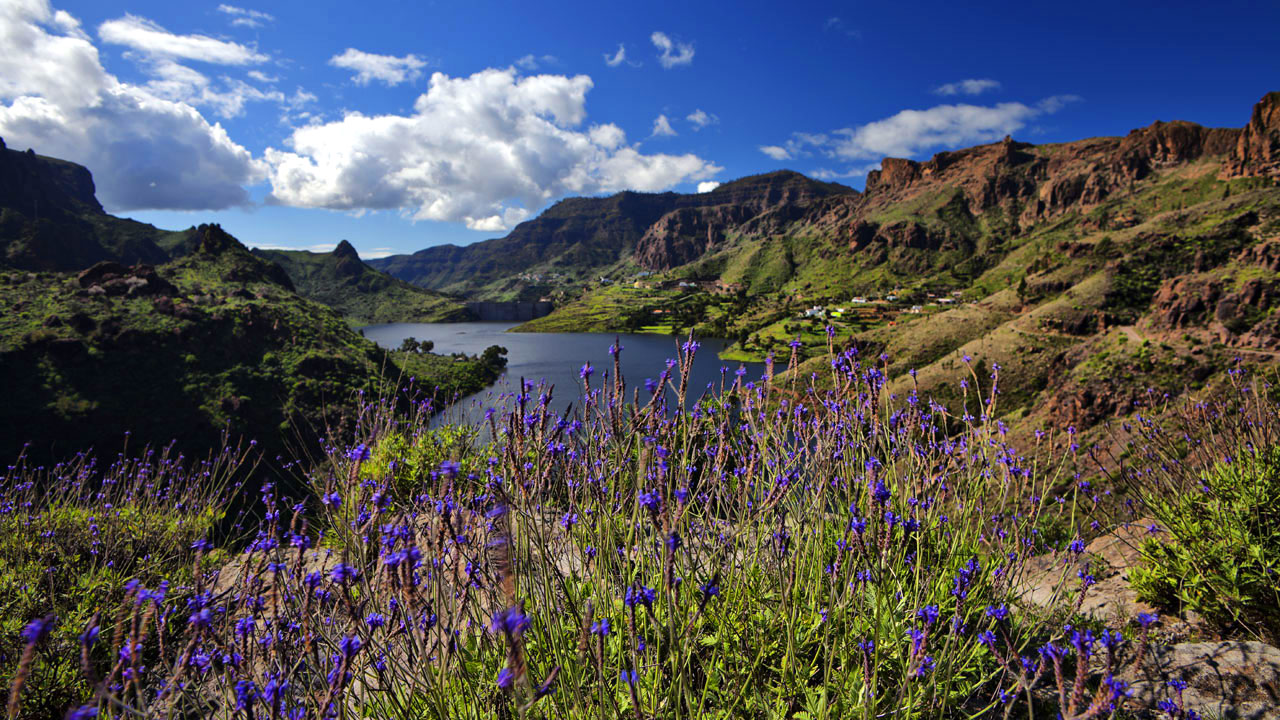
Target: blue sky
<point>399,125</point>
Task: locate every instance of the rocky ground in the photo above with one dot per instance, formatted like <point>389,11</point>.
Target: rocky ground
<point>1225,677</point>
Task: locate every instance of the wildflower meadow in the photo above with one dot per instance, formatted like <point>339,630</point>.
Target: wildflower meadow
<point>780,546</point>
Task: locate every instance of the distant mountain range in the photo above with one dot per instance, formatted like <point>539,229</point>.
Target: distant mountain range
<point>783,231</point>
<point>1092,272</point>
<point>365,296</point>
<point>580,238</point>
<point>1065,264</point>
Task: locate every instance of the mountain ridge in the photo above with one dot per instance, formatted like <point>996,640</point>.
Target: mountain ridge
<point>1080,268</point>
<point>341,280</point>
<point>51,220</point>
<point>216,340</point>
<point>578,240</point>
<point>582,236</point>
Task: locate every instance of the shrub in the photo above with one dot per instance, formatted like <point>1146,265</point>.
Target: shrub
<point>1221,556</point>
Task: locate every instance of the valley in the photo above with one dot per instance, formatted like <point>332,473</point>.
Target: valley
<point>558,361</point>
<point>1147,261</point>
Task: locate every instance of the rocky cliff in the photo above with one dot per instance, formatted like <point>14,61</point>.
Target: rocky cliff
<point>51,220</point>
<point>582,236</point>
<point>760,204</point>
<point>33,184</point>
<point>1257,149</point>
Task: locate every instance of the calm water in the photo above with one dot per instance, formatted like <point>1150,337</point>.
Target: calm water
<point>557,358</point>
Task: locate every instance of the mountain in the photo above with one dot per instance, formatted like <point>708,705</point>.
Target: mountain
<point>214,340</point>
<point>180,336</point>
<point>365,296</point>
<point>950,219</point>
<point>579,238</point>
<point>1091,272</point>
<point>51,220</point>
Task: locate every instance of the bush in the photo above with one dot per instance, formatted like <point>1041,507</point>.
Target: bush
<point>1221,557</point>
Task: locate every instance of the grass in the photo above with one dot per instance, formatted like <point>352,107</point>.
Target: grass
<point>75,536</point>
<point>1219,550</point>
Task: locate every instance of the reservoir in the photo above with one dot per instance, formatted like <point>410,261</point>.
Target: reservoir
<point>557,358</point>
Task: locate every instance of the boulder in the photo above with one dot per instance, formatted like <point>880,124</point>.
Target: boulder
<point>1185,300</point>
<point>1224,679</point>
<point>101,272</point>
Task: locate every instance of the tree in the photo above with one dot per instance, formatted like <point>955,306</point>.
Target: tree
<point>413,345</point>
<point>494,356</point>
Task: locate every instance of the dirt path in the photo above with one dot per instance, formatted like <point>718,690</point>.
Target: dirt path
<point>1132,333</point>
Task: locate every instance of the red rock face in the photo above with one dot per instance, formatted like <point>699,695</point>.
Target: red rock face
<point>894,174</point>
<point>1257,150</point>
<point>1266,254</point>
<point>1032,184</point>
<point>763,204</point>
<point>1183,301</point>
<point>1041,182</point>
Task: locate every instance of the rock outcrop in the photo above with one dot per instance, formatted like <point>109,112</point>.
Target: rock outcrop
<point>1224,679</point>
<point>347,262</point>
<point>1257,150</point>
<point>35,185</point>
<point>112,278</point>
<point>50,219</point>
<point>1185,300</point>
<point>756,205</point>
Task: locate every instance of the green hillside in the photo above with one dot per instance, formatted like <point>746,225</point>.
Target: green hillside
<point>341,280</point>
<point>216,340</point>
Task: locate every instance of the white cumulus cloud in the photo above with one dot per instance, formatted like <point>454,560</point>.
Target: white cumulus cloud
<point>707,186</point>
<point>701,118</point>
<point>671,53</point>
<point>388,69</point>
<point>146,151</point>
<point>662,127</point>
<point>148,37</point>
<point>912,132</point>
<point>487,150</point>
<point>972,86</point>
